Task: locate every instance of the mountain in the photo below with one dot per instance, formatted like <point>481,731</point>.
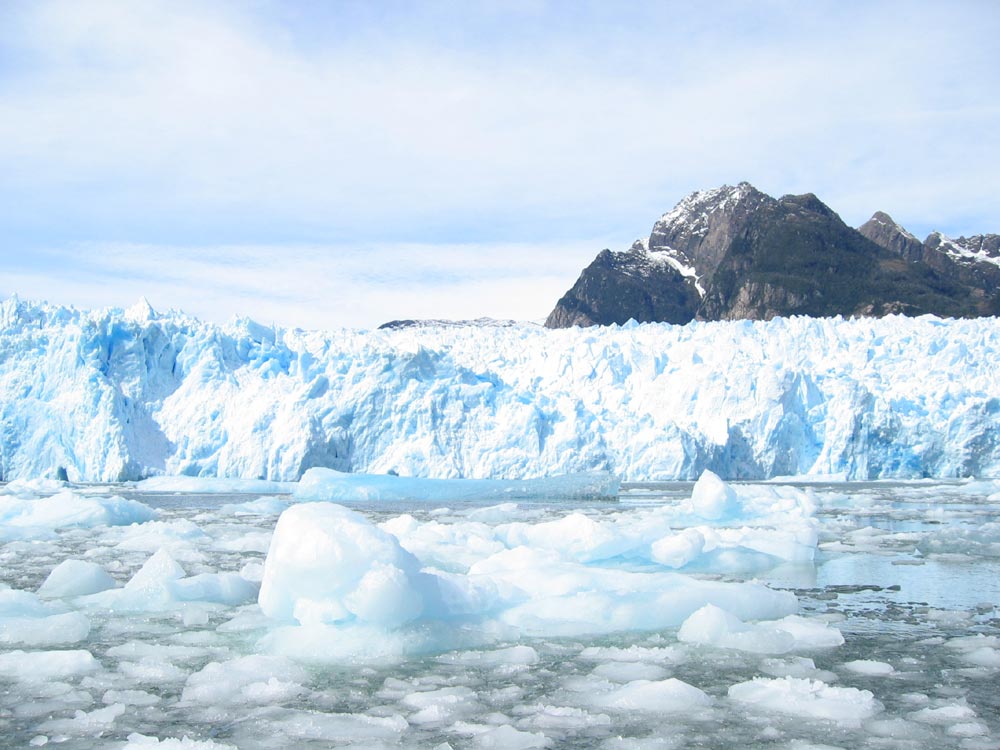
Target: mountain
<point>737,253</point>
<point>110,395</point>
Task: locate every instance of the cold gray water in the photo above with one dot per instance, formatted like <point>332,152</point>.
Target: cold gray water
<point>907,573</point>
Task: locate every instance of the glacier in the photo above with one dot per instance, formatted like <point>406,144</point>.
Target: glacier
<point>115,395</point>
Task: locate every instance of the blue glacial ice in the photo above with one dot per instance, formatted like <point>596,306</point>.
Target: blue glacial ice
<point>112,395</point>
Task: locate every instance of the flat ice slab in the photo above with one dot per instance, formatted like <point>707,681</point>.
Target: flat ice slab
<point>328,484</point>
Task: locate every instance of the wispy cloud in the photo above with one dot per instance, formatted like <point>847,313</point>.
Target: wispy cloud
<point>229,125</point>
<point>306,286</point>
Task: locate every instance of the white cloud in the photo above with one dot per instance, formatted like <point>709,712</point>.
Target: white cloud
<point>312,287</point>
<point>254,131</point>
<point>201,108</point>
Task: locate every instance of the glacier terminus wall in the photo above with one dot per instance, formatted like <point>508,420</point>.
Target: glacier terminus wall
<point>115,395</point>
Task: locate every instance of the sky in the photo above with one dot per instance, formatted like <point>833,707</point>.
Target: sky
<point>326,164</point>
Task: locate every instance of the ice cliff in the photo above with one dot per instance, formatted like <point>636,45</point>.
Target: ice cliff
<point>111,395</point>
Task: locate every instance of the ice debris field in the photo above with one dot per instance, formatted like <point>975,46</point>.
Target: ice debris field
<point>111,395</point>
<point>213,614</point>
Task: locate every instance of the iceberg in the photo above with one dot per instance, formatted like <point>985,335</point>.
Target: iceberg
<point>108,396</point>
<point>27,516</point>
<point>337,586</point>
<point>329,484</point>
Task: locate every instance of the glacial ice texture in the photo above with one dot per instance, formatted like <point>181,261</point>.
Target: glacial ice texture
<point>715,615</point>
<point>116,395</point>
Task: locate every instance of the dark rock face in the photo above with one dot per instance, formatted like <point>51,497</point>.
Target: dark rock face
<point>883,231</point>
<point>735,253</point>
<point>619,286</point>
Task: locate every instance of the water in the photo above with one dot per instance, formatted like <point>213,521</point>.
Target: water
<point>908,572</point>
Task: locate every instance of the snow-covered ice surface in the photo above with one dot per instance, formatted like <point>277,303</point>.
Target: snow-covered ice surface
<point>123,395</point>
<point>715,615</point>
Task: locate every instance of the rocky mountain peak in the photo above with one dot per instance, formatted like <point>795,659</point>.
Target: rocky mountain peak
<point>691,217</point>
<point>735,252</point>
<point>884,232</point>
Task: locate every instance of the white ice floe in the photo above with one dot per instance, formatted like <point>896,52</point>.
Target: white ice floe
<point>46,666</point>
<point>75,578</point>
<point>328,484</point>
<point>662,696</point>
<point>26,517</point>
<point>807,699</point>
<point>714,626</point>
<point>138,741</point>
<point>162,583</point>
<point>869,667</point>
<point>329,567</point>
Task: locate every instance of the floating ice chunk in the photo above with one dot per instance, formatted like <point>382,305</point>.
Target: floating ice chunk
<point>809,633</point>
<point>54,630</point>
<point>75,578</point>
<point>46,666</point>
<point>571,599</point>
<point>629,671</point>
<point>26,517</point>
<point>442,705</point>
<point>575,536</point>
<point>253,571</point>
<point>677,550</point>
<point>328,564</point>
<point>715,626</point>
<point>981,541</point>
<point>385,594</point>
<point>508,738</point>
<point>331,728</point>
<point>174,535</point>
<point>809,699</point>
<point>331,485</point>
<point>979,650</point>
<point>669,696</point>
<point>710,624</point>
<point>250,679</point>
<point>897,729</point>
<point>221,588</point>
<point>36,486</point>
<point>161,584</point>
<point>150,584</point>
<point>561,718</point>
<point>86,722</point>
<point>17,603</point>
<point>951,713</point>
<point>796,666</point>
<point>262,506</point>
<point>255,541</point>
<point>968,729</point>
<point>869,667</point>
<point>655,655</point>
<point>712,498</point>
<point>130,697</point>
<point>515,655</point>
<point>149,671</point>
<point>494,513</point>
<point>138,741</point>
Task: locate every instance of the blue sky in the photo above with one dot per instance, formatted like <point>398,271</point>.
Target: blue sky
<point>320,164</point>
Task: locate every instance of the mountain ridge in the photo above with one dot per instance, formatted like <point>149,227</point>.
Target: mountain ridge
<point>734,252</point>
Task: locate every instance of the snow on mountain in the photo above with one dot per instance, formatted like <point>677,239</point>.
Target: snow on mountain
<point>112,395</point>
<point>735,253</point>
<point>976,249</point>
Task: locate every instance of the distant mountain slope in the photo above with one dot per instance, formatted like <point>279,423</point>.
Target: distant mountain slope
<point>737,253</point>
